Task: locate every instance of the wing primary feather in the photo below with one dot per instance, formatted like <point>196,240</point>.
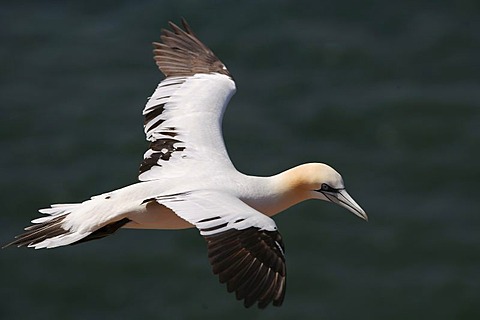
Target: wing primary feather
<point>251,262</point>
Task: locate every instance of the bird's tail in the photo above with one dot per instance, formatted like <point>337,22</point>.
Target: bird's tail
<point>50,231</point>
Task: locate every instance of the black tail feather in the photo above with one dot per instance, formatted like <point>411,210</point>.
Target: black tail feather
<point>38,232</point>
<point>104,231</point>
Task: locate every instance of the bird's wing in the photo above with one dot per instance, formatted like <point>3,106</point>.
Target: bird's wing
<point>183,116</point>
<point>244,246</point>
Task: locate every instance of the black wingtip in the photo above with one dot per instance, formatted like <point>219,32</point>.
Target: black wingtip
<point>187,28</point>
<point>181,53</point>
<point>251,262</point>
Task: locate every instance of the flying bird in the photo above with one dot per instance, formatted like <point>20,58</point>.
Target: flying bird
<point>188,180</point>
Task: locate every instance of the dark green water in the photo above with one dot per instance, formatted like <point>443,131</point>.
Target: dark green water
<point>386,92</point>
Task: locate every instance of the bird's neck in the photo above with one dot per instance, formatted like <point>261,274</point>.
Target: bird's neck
<point>272,195</point>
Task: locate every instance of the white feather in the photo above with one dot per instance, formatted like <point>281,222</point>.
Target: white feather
<point>215,210</point>
<point>194,107</point>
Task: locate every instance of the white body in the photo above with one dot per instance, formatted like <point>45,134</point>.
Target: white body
<point>188,180</point>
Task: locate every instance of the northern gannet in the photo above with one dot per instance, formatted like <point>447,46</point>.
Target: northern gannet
<point>187,180</point>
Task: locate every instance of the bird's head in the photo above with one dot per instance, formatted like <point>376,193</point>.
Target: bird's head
<point>321,181</point>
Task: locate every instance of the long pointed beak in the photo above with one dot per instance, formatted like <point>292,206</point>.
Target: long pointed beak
<point>343,199</point>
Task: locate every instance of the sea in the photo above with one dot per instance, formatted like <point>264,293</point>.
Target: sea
<point>386,92</point>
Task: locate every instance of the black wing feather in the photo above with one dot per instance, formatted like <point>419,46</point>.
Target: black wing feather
<point>251,262</point>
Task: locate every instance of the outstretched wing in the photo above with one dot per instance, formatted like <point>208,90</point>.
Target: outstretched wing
<point>244,246</point>
<point>183,116</point>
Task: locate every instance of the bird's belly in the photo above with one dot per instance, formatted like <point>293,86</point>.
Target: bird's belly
<point>156,216</point>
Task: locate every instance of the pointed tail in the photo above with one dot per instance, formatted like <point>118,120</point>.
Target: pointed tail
<point>50,232</point>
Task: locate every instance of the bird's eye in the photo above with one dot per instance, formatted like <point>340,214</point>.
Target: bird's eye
<point>326,187</point>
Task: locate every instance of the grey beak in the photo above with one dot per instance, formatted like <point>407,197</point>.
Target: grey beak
<point>342,198</point>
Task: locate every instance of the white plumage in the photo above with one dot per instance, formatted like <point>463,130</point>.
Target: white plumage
<point>187,180</point>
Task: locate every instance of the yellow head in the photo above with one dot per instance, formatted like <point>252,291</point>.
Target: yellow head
<point>320,181</point>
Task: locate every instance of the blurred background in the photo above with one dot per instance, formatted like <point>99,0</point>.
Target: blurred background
<point>386,92</point>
